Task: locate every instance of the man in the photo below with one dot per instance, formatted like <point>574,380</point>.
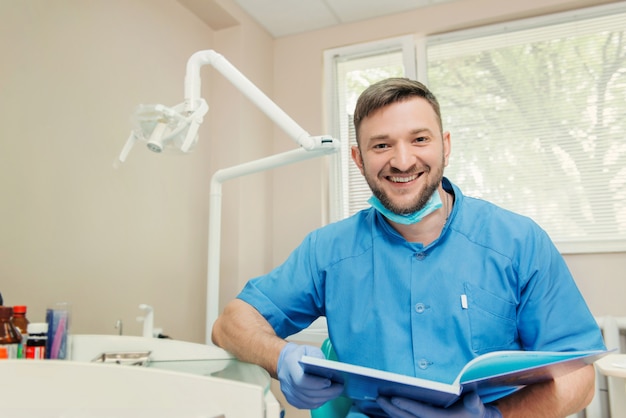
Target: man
<point>420,283</point>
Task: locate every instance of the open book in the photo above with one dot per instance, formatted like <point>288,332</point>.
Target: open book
<point>492,376</point>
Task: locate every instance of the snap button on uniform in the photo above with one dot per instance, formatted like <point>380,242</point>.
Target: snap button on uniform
<point>420,308</point>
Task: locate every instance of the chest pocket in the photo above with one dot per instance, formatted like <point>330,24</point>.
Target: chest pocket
<point>492,321</point>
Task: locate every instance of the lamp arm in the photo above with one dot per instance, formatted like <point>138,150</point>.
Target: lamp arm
<point>247,88</point>
<point>215,215</point>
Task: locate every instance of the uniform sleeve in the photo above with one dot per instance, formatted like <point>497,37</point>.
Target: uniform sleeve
<point>553,316</point>
<point>290,297</point>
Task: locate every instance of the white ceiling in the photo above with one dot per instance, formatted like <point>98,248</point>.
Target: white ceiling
<point>288,17</point>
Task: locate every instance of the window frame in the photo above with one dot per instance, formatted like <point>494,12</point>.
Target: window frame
<point>337,168</point>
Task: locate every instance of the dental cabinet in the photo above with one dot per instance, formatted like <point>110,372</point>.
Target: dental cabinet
<point>126,376</point>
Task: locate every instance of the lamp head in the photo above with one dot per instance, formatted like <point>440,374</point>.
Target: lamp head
<point>166,128</point>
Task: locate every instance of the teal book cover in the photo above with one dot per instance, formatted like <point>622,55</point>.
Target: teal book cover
<point>492,375</point>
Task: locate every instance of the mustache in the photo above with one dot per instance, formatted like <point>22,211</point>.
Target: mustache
<point>410,171</point>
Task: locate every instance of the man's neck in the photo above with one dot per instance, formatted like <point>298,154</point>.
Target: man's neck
<point>428,229</point>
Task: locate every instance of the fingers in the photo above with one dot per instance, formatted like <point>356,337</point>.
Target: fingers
<point>470,407</point>
<point>315,383</point>
<point>311,397</point>
<point>313,351</point>
<point>303,390</point>
<point>393,410</point>
<point>472,403</point>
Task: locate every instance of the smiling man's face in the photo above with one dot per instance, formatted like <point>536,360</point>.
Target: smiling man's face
<point>402,154</point>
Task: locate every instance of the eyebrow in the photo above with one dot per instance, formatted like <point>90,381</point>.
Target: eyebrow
<point>412,132</point>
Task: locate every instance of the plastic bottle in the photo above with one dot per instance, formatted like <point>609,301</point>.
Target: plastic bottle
<point>10,337</point>
<point>21,323</point>
<point>37,339</point>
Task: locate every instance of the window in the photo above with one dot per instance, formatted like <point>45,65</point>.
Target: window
<point>537,113</point>
<point>350,71</point>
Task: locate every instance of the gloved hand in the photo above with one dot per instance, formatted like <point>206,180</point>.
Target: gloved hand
<point>303,390</point>
<point>470,407</point>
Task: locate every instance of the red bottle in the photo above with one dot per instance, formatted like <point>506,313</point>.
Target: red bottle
<point>21,323</point>
<point>10,337</point>
<point>37,339</point>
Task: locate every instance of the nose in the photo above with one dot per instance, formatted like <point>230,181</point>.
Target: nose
<point>402,158</point>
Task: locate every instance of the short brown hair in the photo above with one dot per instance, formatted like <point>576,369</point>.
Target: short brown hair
<point>388,91</point>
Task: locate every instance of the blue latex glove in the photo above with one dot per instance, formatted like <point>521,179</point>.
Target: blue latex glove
<point>303,390</point>
<point>470,407</point>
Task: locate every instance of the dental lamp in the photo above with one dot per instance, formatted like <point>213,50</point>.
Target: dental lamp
<point>176,129</point>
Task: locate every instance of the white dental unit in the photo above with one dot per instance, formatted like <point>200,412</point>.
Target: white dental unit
<point>124,376</point>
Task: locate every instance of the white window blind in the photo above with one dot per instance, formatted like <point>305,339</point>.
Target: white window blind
<point>537,113</point>
<point>351,70</point>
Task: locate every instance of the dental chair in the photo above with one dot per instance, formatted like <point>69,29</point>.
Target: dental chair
<point>338,407</point>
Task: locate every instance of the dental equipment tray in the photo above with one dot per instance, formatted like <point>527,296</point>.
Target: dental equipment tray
<point>128,358</point>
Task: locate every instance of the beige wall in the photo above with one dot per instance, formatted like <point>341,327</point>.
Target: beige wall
<point>74,228</point>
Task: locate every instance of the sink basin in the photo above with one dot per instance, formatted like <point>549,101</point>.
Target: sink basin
<point>86,347</point>
<point>166,354</point>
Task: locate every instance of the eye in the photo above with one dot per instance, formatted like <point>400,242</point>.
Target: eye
<point>380,146</point>
<point>421,139</point>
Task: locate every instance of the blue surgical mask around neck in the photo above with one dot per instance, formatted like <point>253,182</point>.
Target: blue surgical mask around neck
<point>432,205</point>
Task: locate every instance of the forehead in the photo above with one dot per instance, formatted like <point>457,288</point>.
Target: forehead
<point>414,113</point>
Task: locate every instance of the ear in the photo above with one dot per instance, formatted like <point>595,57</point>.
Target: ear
<point>357,158</point>
<point>447,148</point>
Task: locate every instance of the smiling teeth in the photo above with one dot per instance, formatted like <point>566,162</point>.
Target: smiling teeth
<point>403,179</point>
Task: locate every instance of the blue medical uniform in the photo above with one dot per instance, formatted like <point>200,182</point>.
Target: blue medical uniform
<point>492,281</point>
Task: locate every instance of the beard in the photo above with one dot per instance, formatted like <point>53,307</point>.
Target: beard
<point>419,202</point>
